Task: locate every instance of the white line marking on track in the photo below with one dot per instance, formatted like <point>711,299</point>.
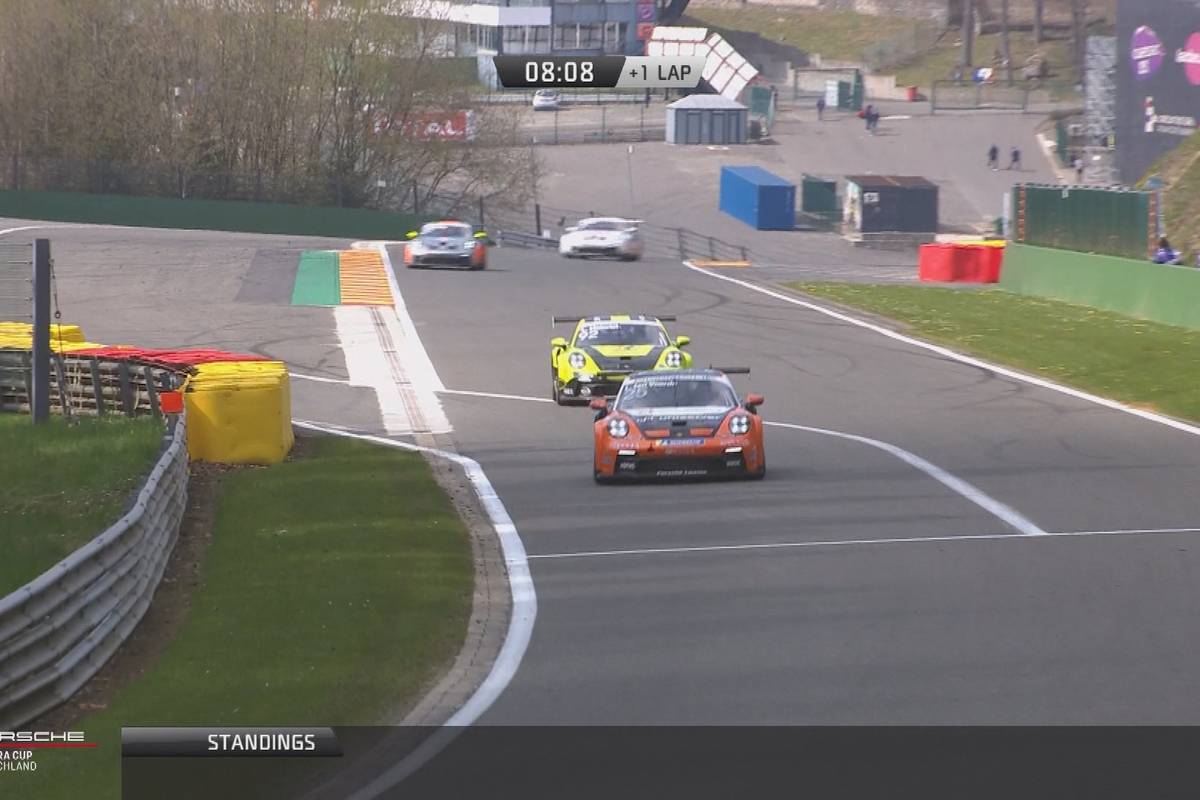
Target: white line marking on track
<point>972,493</point>
<point>319,379</point>
<point>985,537</point>
<point>1005,514</point>
<point>496,396</point>
<point>955,355</point>
<point>520,624</point>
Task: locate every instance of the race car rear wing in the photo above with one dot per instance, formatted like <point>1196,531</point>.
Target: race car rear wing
<point>731,370</point>
<point>574,320</point>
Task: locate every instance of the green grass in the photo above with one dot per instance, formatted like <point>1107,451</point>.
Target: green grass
<point>840,35</point>
<point>1180,171</point>
<point>1131,360</point>
<point>62,484</point>
<point>939,62</point>
<point>335,586</point>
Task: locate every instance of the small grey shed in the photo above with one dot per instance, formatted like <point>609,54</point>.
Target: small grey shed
<point>706,119</point>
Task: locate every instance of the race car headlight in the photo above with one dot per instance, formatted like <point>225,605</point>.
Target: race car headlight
<point>618,428</point>
<point>673,359</point>
<point>739,425</point>
<point>577,360</point>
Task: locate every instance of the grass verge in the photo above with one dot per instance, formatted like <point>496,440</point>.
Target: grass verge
<point>1137,362</point>
<point>335,586</point>
<point>61,484</point>
<point>840,35</point>
<point>939,62</point>
<point>1180,171</point>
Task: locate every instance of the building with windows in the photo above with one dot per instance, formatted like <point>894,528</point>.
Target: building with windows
<point>543,27</point>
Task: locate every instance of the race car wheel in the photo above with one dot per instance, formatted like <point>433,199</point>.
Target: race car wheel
<point>601,479</point>
<point>758,476</point>
<point>630,258</point>
<point>555,393</point>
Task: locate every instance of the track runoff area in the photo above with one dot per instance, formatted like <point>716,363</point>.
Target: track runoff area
<point>938,540</point>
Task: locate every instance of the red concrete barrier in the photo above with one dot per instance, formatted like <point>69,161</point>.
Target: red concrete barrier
<point>960,263</point>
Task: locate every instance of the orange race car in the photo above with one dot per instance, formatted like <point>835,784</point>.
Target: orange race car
<point>680,424</point>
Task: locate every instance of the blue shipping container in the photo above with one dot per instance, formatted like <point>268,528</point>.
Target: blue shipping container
<point>758,198</point>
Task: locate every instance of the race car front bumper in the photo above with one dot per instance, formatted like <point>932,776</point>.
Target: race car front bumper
<point>442,260</point>
<point>585,387</point>
<point>667,459</point>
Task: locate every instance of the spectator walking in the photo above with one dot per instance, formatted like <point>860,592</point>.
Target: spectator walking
<point>1165,253</point>
<point>867,114</point>
<point>1014,160</point>
<point>994,157</point>
<point>873,121</point>
<point>820,108</point>
<point>1077,163</point>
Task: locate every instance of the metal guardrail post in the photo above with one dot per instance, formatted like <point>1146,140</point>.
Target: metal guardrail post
<point>682,244</point>
<point>40,400</point>
<point>712,248</point>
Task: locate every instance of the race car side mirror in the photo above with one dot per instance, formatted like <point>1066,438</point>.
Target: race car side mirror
<point>682,341</point>
<point>481,235</point>
<point>570,229</point>
<point>600,406</point>
<point>558,341</point>
<point>753,401</point>
<point>411,235</point>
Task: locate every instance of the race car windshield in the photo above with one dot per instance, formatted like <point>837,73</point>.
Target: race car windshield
<point>675,393</point>
<point>446,232</point>
<point>625,334</point>
<point>604,225</point>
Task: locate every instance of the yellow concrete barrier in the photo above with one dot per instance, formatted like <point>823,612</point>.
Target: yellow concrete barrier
<point>239,412</point>
<point>19,335</point>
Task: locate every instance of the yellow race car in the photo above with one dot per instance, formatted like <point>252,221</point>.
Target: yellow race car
<point>604,350</point>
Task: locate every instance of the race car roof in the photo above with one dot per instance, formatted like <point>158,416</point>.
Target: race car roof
<point>712,373</point>
<point>619,220</point>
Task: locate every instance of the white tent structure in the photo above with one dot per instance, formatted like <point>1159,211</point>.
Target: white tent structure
<point>725,70</point>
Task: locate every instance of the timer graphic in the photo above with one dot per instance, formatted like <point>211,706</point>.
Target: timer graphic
<point>599,72</point>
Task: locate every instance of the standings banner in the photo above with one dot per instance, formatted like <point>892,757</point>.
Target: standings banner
<point>1158,80</point>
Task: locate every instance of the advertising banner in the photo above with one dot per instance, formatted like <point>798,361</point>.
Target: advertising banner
<point>1158,80</point>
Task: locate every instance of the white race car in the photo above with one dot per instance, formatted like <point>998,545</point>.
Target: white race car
<point>603,236</point>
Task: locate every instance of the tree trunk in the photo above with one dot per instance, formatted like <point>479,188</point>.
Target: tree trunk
<point>1078,38</point>
<point>1039,8</point>
<point>1008,66</point>
<point>968,34</point>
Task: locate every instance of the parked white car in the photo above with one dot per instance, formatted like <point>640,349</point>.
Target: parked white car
<point>546,100</point>
<point>603,236</point>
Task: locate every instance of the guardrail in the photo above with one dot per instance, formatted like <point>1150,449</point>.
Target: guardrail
<point>58,630</point>
<point>666,242</point>
<point>521,239</point>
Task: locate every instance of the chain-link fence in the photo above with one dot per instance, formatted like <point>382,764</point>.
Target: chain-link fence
<point>902,47</point>
<point>16,283</point>
<point>596,124</point>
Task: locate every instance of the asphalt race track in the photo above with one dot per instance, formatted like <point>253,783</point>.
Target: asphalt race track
<point>891,596</point>
<point>883,592</point>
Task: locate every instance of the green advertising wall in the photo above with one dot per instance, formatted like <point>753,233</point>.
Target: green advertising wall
<point>1135,287</point>
<point>1111,221</point>
<point>217,215</point>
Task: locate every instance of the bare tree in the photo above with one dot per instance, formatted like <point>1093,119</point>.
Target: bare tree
<point>968,35</point>
<point>1005,43</point>
<point>1078,33</point>
<point>1039,11</point>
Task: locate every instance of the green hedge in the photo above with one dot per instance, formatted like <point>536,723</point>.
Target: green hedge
<point>218,215</point>
<point>1138,288</point>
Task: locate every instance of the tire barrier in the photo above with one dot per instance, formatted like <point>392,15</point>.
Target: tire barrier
<point>960,262</point>
<point>59,629</point>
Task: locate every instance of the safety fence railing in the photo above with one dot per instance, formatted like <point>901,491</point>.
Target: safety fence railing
<point>59,629</point>
<point>86,384</point>
<point>1033,96</point>
<point>541,226</point>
